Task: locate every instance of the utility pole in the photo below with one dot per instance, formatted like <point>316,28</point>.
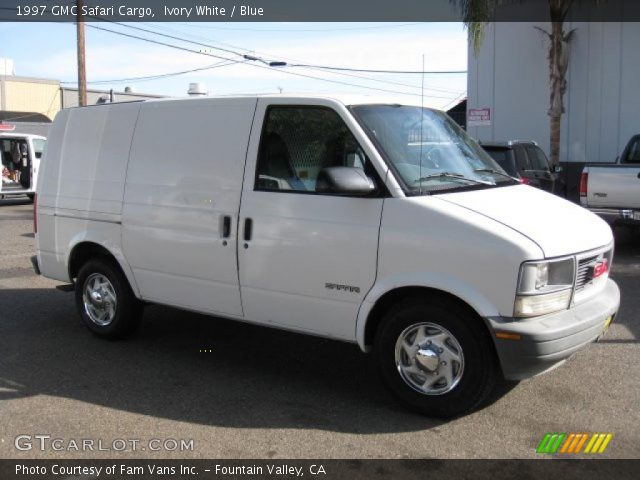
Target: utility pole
<point>82,74</point>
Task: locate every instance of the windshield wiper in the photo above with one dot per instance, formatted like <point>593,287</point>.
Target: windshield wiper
<point>456,176</point>
<point>491,170</point>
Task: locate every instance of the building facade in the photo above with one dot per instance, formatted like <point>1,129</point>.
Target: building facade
<point>26,94</point>
<point>509,81</point>
<point>48,97</point>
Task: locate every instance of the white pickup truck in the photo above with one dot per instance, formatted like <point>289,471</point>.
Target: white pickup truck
<point>613,190</point>
<point>20,155</point>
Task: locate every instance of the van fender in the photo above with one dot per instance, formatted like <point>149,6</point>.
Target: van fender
<point>436,281</point>
<point>111,243</point>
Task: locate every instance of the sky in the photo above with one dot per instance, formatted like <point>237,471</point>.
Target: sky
<point>48,50</point>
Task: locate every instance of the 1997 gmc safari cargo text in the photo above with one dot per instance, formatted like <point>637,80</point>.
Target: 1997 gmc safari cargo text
<point>373,223</point>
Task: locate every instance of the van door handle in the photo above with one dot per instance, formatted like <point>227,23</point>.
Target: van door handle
<point>226,226</point>
<point>248,227</point>
<point>225,229</point>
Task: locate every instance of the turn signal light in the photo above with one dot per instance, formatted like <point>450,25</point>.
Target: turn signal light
<point>508,336</point>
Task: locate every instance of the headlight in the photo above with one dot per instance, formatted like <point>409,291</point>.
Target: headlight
<point>544,287</point>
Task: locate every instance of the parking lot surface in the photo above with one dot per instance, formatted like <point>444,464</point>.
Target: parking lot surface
<point>241,391</point>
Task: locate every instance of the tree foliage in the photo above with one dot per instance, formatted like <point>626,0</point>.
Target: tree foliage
<point>477,13</point>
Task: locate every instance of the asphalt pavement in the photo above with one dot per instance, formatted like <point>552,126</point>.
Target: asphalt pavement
<point>233,390</point>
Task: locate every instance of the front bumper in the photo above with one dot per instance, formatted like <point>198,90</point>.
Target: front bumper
<point>615,216</point>
<point>547,341</point>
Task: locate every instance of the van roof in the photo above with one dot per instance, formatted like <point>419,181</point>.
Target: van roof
<point>20,135</point>
<point>345,99</point>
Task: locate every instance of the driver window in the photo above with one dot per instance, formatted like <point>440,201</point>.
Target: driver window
<point>299,141</point>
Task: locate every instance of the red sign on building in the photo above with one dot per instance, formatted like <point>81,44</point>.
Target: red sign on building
<point>477,117</point>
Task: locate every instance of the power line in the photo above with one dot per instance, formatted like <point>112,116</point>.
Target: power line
<point>390,82</point>
<point>364,70</point>
<point>157,42</point>
<point>369,27</point>
<point>160,75</point>
<point>248,64</point>
<point>324,67</point>
<point>173,37</point>
<point>455,101</point>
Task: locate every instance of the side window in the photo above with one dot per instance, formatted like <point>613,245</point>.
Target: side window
<point>521,159</point>
<point>38,147</point>
<point>537,158</point>
<point>633,152</point>
<point>298,142</point>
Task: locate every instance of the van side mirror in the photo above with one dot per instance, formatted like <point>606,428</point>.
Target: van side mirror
<point>344,181</point>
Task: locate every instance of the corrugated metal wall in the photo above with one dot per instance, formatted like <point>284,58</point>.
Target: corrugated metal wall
<point>510,76</point>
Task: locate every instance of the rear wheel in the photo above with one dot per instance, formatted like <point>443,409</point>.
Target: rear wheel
<point>436,357</point>
<point>105,301</point>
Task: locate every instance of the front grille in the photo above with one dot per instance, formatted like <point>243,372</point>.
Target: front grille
<point>585,271</point>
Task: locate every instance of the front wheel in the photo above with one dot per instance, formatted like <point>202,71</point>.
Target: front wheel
<point>105,301</point>
<point>436,357</point>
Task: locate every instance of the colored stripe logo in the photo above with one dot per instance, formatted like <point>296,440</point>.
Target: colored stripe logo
<point>574,443</point>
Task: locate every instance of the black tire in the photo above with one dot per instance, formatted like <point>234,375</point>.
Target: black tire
<point>480,364</point>
<point>128,309</point>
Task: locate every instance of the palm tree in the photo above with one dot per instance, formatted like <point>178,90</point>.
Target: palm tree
<point>477,13</point>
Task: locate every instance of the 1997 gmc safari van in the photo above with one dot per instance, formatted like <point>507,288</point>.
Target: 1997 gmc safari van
<point>378,224</point>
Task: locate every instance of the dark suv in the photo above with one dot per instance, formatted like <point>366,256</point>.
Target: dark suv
<point>525,161</point>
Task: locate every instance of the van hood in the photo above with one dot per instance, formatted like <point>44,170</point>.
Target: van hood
<point>557,226</point>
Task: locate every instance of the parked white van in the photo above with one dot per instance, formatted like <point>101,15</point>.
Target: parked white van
<point>373,223</point>
<point>21,154</point>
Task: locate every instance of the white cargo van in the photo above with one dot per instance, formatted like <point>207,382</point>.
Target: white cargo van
<point>21,154</point>
<point>373,223</point>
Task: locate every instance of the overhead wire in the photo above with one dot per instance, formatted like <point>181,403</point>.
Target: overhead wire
<point>157,76</point>
<point>244,61</point>
<point>337,29</point>
<point>417,87</point>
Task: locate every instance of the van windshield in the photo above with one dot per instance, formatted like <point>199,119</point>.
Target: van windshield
<point>428,151</point>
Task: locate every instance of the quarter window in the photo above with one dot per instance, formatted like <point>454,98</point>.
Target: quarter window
<point>298,142</point>
<point>538,159</point>
<point>38,147</point>
<point>633,153</point>
<point>521,159</point>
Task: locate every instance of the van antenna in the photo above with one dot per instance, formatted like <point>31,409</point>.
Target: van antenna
<point>421,119</point>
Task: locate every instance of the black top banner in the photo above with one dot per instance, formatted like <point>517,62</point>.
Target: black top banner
<point>303,10</point>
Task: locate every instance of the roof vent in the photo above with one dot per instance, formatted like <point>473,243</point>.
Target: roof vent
<point>198,89</point>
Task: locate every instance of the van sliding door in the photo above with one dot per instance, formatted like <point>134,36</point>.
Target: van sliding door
<point>181,202</point>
